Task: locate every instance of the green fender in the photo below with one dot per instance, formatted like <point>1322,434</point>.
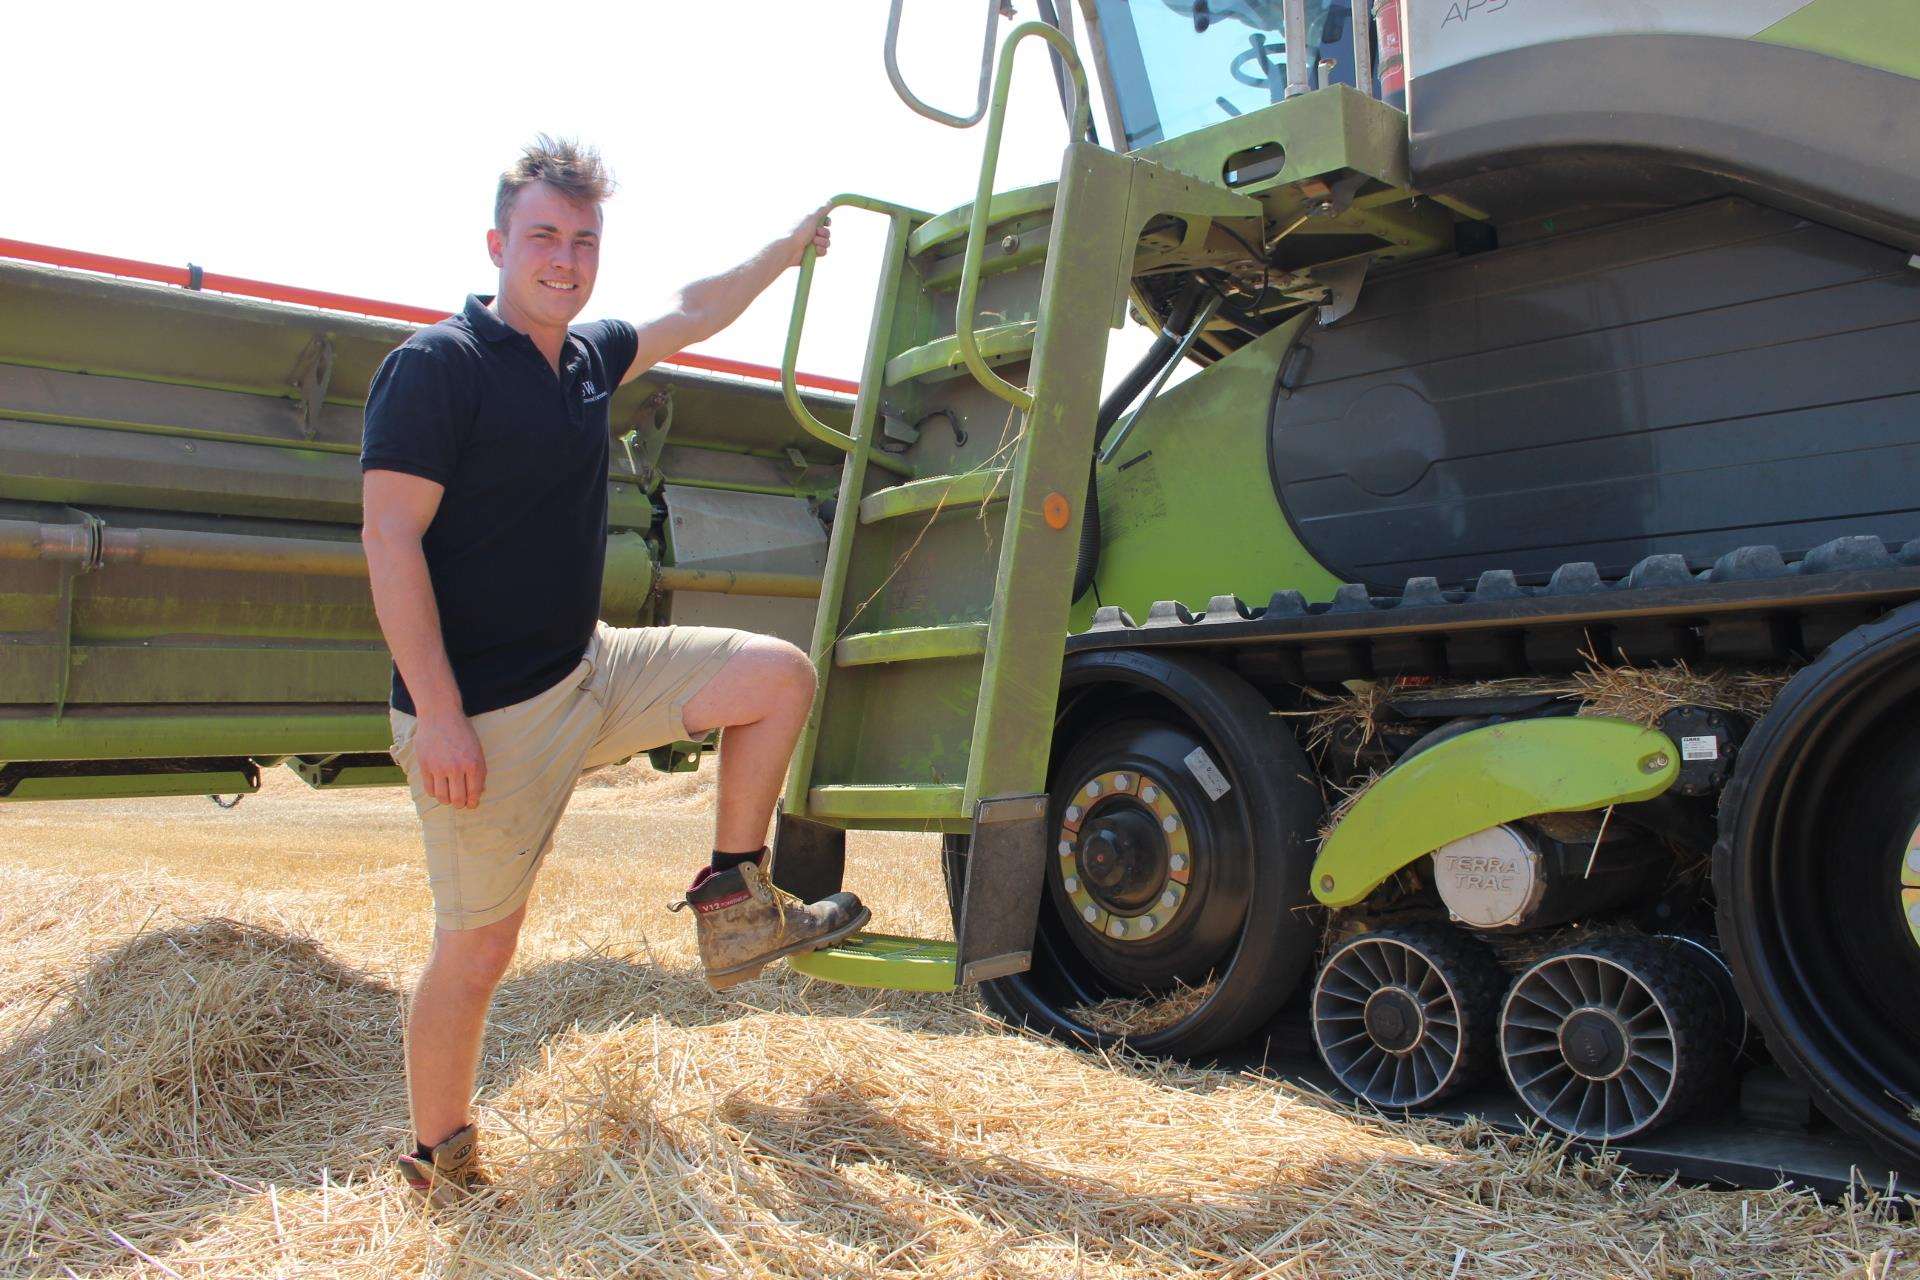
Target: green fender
<point>1481,779</point>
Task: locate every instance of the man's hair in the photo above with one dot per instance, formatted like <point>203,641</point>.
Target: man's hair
<point>575,171</point>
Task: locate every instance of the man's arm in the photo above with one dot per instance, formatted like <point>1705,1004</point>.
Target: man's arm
<point>397,510</point>
<point>705,307</point>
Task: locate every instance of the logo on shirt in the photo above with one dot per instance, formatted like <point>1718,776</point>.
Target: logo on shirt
<point>587,389</point>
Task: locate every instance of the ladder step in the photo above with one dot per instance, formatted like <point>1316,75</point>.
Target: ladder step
<point>941,358</point>
<point>882,960</point>
<point>935,493</point>
<point>925,800</point>
<point>1005,206</point>
<point>912,644</point>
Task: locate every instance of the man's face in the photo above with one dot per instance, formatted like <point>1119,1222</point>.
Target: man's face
<point>548,256</point>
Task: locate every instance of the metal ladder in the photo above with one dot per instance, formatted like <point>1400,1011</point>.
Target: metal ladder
<point>944,600</point>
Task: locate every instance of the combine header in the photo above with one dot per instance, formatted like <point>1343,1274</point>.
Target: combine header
<point>1497,665</point>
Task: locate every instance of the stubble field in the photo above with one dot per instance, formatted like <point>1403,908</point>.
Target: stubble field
<point>200,1074</point>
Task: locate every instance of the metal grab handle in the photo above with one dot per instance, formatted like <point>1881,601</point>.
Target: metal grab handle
<point>968,301</point>
<point>789,386</point>
<point>907,95</point>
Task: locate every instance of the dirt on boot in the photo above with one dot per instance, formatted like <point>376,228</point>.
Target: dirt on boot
<point>744,923</point>
<point>451,1175</point>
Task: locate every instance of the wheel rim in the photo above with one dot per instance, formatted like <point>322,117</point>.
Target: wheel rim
<point>1388,1022</point>
<point>1910,886</point>
<point>1125,856</point>
<point>1589,1047</point>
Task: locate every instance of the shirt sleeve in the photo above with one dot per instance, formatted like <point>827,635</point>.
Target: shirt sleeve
<point>616,341</point>
<point>417,417</point>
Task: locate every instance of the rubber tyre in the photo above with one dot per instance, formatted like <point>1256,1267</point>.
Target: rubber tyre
<point>1812,825</point>
<point>1271,792</point>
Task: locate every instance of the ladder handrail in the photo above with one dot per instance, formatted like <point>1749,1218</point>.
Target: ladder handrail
<point>907,95</point>
<point>803,290</point>
<point>968,301</point>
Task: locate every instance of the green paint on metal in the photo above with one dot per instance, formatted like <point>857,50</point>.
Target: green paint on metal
<point>790,360</point>
<point>996,344</point>
<point>1187,508</point>
<point>912,644</point>
<point>135,786</point>
<point>884,961</point>
<point>966,308</point>
<point>935,493</point>
<point>339,772</point>
<point>1005,207</point>
<point>1481,779</point>
<point>154,733</point>
<point>1874,33</point>
<point>926,800</point>
<point>892,288</point>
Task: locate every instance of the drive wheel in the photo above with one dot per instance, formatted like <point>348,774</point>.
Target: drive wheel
<point>1817,883</point>
<point>1613,1038</point>
<point>1181,816</point>
<point>1405,1017</point>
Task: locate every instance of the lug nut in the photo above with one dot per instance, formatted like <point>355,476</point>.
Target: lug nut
<point>1169,899</point>
<point>1093,788</point>
<point>1913,861</point>
<point>1073,813</point>
<point>1071,884</point>
<point>1066,848</point>
<point>1089,914</point>
<point>1170,822</point>
<point>1178,862</point>
<point>1149,794</point>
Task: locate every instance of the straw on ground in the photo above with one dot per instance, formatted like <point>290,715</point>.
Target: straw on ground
<point>200,1069</point>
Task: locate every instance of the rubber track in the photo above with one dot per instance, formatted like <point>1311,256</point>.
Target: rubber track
<point>1751,605</point>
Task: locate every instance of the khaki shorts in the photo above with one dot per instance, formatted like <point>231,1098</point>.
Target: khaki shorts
<point>628,694</point>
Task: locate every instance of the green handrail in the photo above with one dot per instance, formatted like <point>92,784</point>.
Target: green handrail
<point>802,291</point>
<point>967,303</point>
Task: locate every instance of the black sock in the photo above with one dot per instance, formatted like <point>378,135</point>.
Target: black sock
<point>422,1151</point>
<point>728,861</point>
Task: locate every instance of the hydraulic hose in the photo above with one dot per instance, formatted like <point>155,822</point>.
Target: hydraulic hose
<point>1136,380</point>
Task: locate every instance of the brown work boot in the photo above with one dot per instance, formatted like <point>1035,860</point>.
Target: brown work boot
<point>452,1173</point>
<point>744,923</point>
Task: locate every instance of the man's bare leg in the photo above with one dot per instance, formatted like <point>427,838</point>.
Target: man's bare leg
<point>448,1018</point>
<point>760,700</point>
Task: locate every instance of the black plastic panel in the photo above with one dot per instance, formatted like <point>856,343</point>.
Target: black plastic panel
<point>1687,383</point>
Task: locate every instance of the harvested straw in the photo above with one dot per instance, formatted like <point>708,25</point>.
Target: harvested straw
<point>1638,694</point>
<point>1120,1016</point>
<point>216,1097</point>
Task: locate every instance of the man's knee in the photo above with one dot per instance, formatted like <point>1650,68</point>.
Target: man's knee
<point>477,959</point>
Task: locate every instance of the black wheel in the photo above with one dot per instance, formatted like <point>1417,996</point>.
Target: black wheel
<point>1405,1017</point>
<point>1613,1037</point>
<point>1181,824</point>
<point>1817,887</point>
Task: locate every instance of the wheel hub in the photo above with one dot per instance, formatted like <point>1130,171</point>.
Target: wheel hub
<point>1595,1044</point>
<point>1393,1019</point>
<point>1125,860</point>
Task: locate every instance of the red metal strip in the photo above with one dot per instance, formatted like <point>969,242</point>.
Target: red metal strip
<point>80,260</point>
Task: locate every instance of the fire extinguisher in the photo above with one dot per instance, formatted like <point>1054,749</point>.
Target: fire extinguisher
<point>1393,53</point>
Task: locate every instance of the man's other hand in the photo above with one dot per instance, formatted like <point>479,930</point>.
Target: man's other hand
<point>811,231</point>
<point>452,765</point>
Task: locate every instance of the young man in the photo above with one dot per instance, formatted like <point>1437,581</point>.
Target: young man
<point>485,485</point>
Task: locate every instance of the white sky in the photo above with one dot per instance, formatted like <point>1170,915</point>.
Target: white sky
<point>354,146</point>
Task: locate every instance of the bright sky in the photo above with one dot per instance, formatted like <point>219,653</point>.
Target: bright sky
<point>355,146</point>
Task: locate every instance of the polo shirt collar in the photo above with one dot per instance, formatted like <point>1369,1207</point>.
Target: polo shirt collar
<point>480,317</point>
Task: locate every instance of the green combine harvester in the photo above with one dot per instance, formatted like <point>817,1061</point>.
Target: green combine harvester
<point>1494,671</point>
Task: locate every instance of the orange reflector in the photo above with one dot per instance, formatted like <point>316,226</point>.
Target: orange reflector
<point>1056,510</point>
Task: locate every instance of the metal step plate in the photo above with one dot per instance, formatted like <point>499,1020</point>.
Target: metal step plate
<point>883,960</point>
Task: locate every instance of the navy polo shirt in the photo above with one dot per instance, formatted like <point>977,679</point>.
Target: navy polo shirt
<point>517,547</point>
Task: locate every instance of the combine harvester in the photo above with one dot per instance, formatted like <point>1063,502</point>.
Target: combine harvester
<point>1543,498</point>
